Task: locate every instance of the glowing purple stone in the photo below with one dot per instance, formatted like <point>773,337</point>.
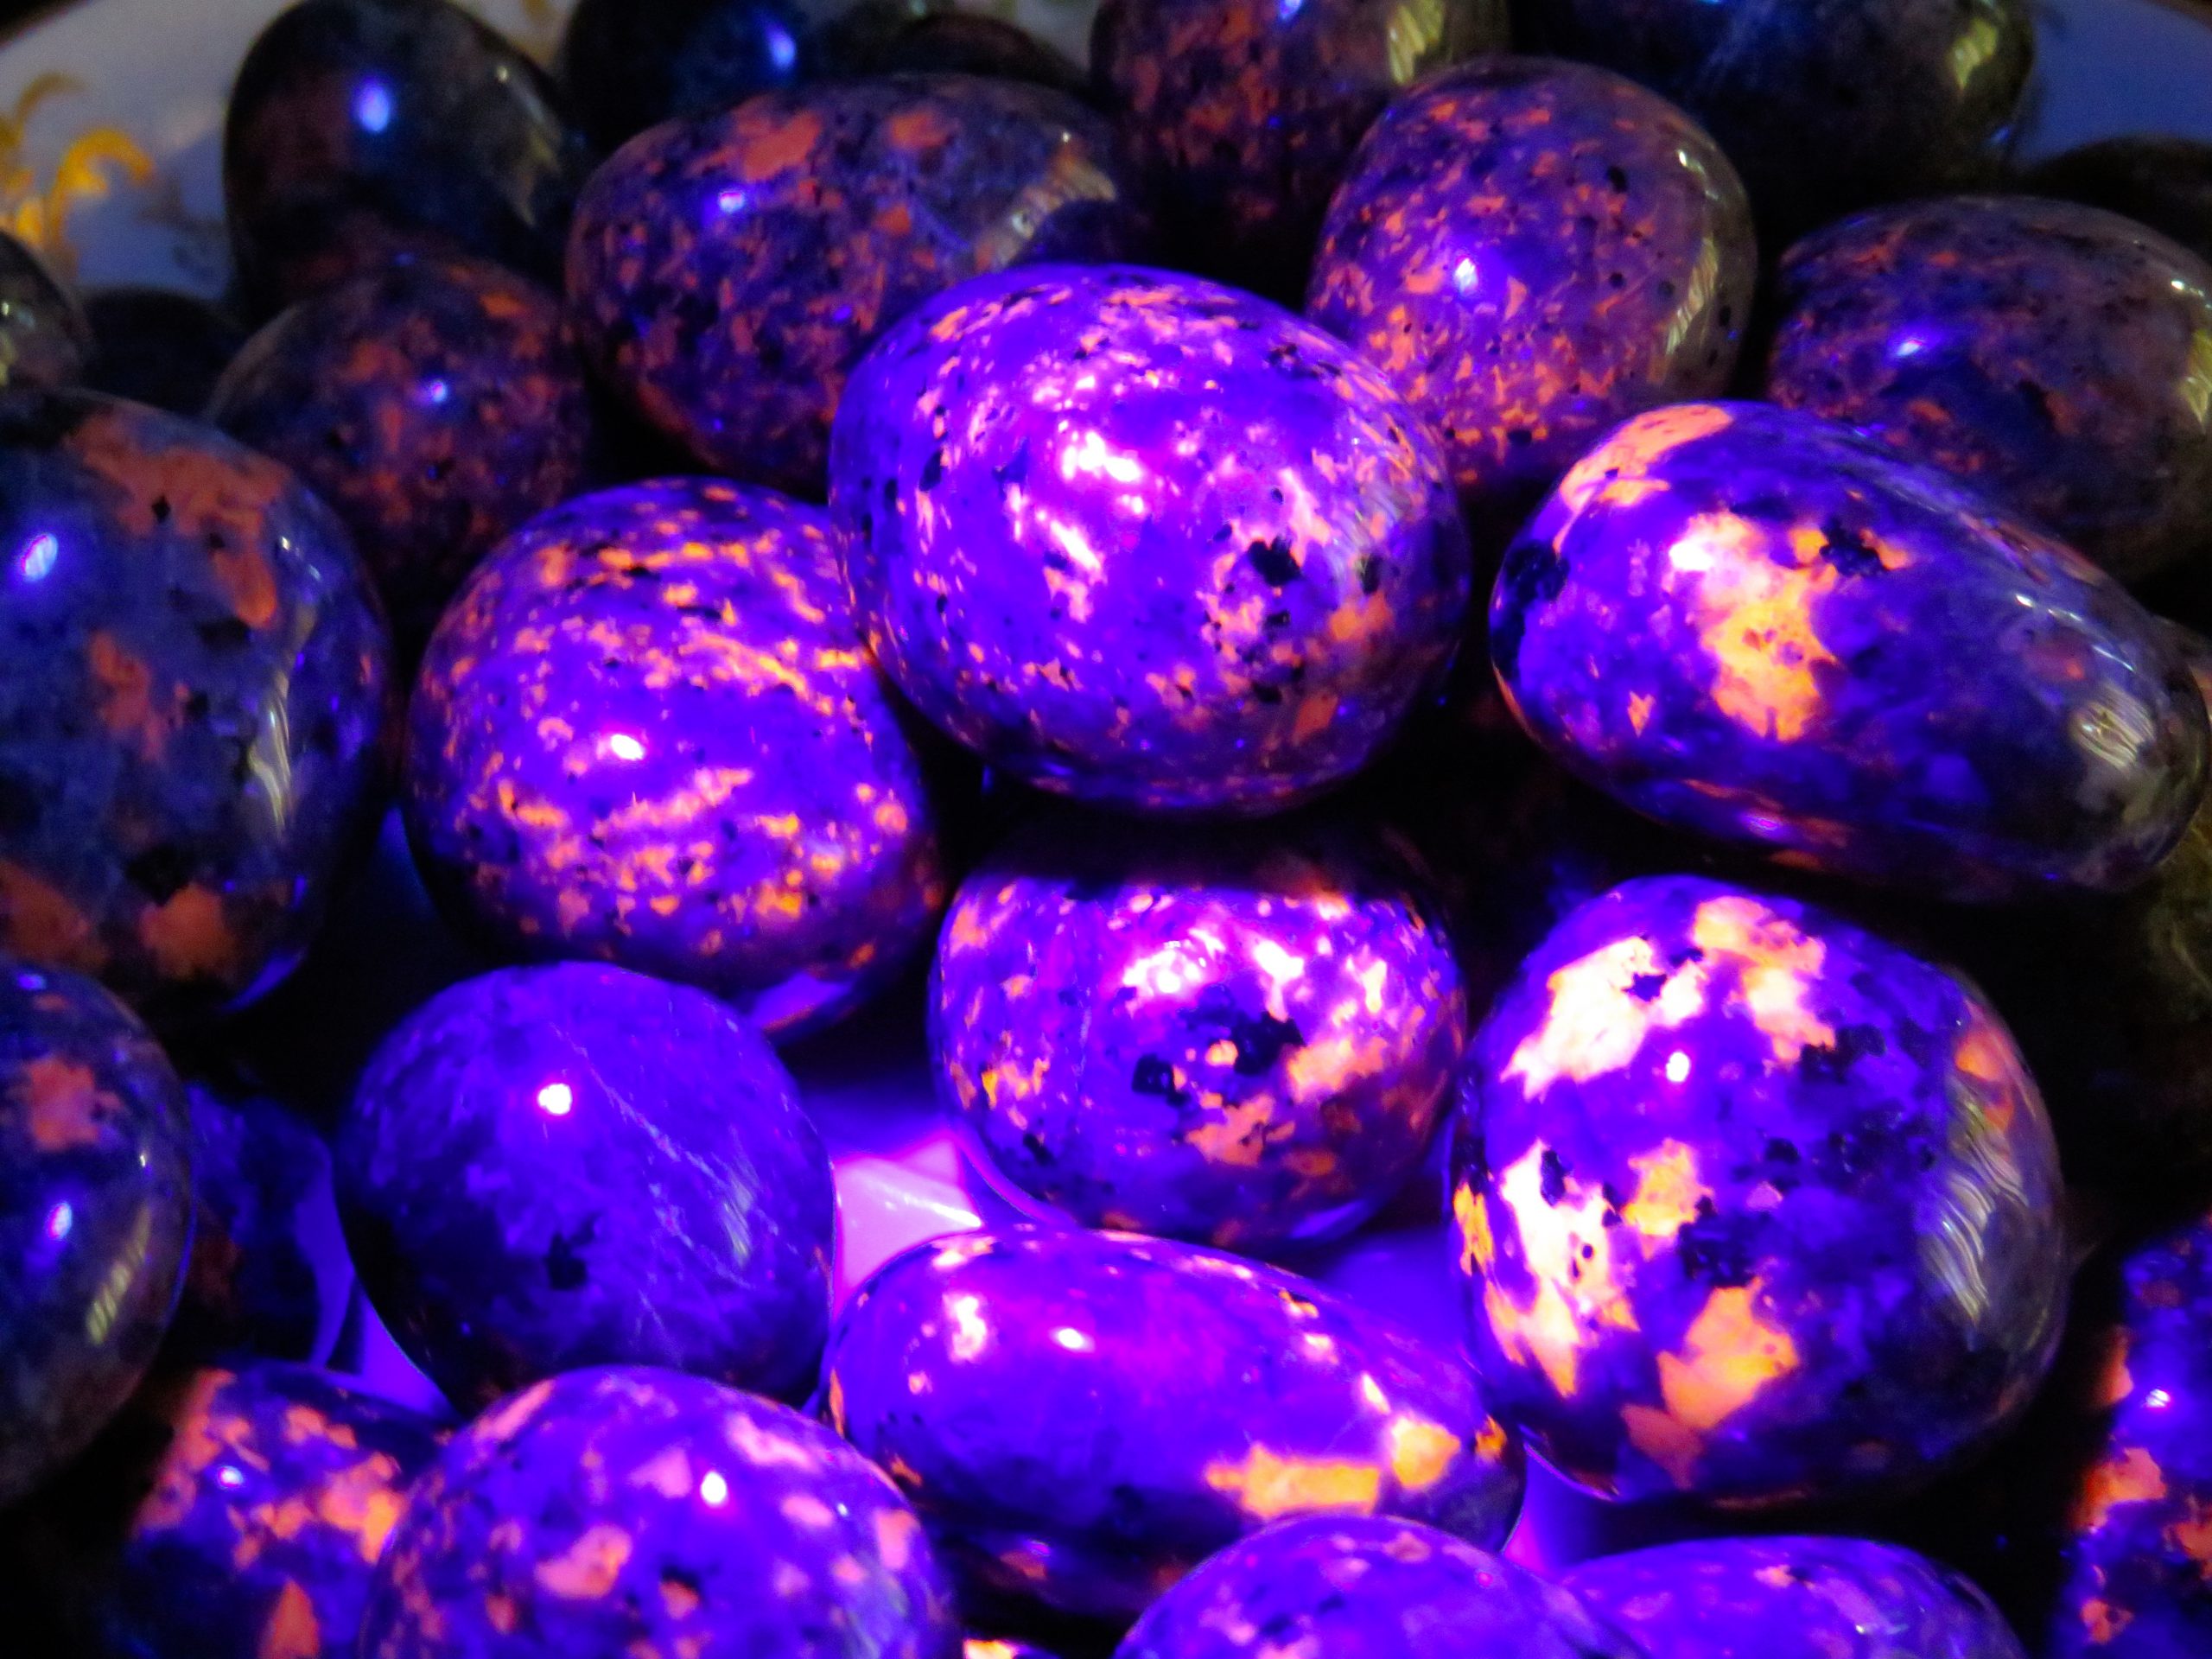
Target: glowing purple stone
<point>1755,1597</point>
<point>1244,1041</point>
<point>1754,1207</point>
<point>647,731</point>
<point>1144,540</point>
<point>629,1511</point>
<point>1367,1587</point>
<point>1081,1417</point>
<point>1750,623</point>
<point>550,1167</point>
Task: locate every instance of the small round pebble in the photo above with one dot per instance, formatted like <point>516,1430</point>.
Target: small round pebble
<point>2050,354</point>
<point>435,403</point>
<point>1756,1597</point>
<point>1145,540</point>
<point>1083,1417</point>
<point>2164,182</point>
<point>267,1501</point>
<point>550,1167</point>
<point>1531,251</point>
<point>1242,113</point>
<point>1240,1040</point>
<point>192,722</point>
<point>628,65</point>
<point>157,347</point>
<point>1827,105</point>
<point>640,1512</point>
<point>1752,623</point>
<point>648,732</point>
<point>270,1275</point>
<point>1367,1587</point>
<point>44,338</point>
<point>362,128</point>
<point>95,1213</point>
<point>1753,1206</point>
<point>726,273</point>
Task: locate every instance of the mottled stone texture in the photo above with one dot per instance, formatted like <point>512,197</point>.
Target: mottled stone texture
<point>1748,622</point>
<point>1144,540</point>
<point>1081,1417</point>
<point>550,1167</point>
<point>1753,1206</point>
<point>44,339</point>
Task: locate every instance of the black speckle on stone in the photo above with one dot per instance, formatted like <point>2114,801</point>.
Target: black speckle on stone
<point>934,470</point>
<point>1618,180</point>
<point>1273,561</point>
<point>1716,1250</point>
<point>1371,573</point>
<point>1261,1040</point>
<point>159,871</point>
<point>224,633</point>
<point>1832,1062</point>
<point>1553,1177</point>
<point>1155,1076</point>
<point>19,806</point>
<point>1644,987</point>
<point>564,1268</point>
<point>1849,550</point>
<point>1534,575</point>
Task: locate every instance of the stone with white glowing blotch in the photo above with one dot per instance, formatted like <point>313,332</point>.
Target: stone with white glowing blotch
<point>1753,1598</point>
<point>1367,1587</point>
<point>1081,1417</point>
<point>1145,540</point>
<point>642,1512</point>
<point>1753,1205</point>
<point>1752,623</point>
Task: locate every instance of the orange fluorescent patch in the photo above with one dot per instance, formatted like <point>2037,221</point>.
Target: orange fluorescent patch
<point>1667,1195</point>
<point>1597,1022</point>
<point>1266,1486</point>
<point>1754,618</point>
<point>1776,966</point>
<point>1567,1249</point>
<point>1728,1355</point>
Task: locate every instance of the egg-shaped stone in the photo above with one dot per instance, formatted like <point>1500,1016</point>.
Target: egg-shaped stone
<point>1145,540</point>
<point>1754,1597</point>
<point>1753,1206</point>
<point>435,403</point>
<point>628,65</point>
<point>159,346</point>
<point>1827,105</point>
<point>1367,1587</point>
<point>1243,114</point>
<point>95,1213</point>
<point>1531,251</point>
<point>550,1167</point>
<point>44,339</point>
<point>191,720</point>
<point>268,1494</point>
<point>1752,623</point>
<point>648,731</point>
<point>631,1510</point>
<point>1081,1417</point>
<point>1237,1039</point>
<point>362,128</point>
<point>2156,179</point>
<point>269,1276</point>
<point>2049,354</point>
<point>726,273</point>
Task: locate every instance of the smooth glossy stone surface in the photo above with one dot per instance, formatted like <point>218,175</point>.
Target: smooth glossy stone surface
<point>44,339</point>
<point>1748,622</point>
<point>1366,1587</point>
<point>267,1504</point>
<point>361,128</point>
<point>435,403</point>
<point>1753,1206</point>
<point>1243,113</point>
<point>1145,540</point>
<point>269,1276</point>
<point>190,723</point>
<point>727,273</point>
<point>640,1512</point>
<point>1240,1040</point>
<point>628,65</point>
<point>95,1213</point>
<point>156,346</point>
<point>1531,251</point>
<point>891,37</point>
<point>2130,1578</point>
<point>550,1167</point>
<point>1828,106</point>
<point>1755,1597</point>
<point>2165,183</point>
<point>2051,355</point>
<point>1080,1417</point>
<point>729,798</point>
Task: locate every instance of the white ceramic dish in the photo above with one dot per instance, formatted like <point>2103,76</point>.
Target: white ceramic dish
<point>110,119</point>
